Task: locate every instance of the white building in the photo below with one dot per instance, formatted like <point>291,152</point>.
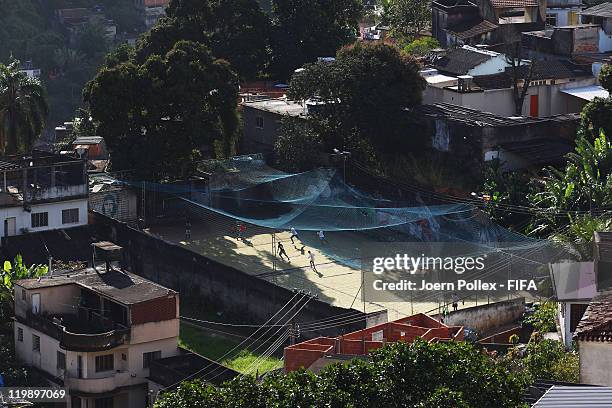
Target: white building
<point>600,15</point>
<point>561,13</point>
<point>42,192</point>
<point>558,87</point>
<point>574,287</point>
<point>96,332</point>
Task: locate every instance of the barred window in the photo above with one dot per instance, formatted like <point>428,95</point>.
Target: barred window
<point>35,343</point>
<point>40,219</point>
<point>70,216</point>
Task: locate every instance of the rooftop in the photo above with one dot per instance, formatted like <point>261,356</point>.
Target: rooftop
<point>361,342</point>
<point>121,286</point>
<point>514,3</point>
<point>279,106</point>
<point>469,29</point>
<point>573,280</point>
<point>587,93</point>
<point>453,3</point>
<point>596,323</point>
<point>575,396</point>
<point>461,60</point>
<point>600,10</point>
<point>470,116</point>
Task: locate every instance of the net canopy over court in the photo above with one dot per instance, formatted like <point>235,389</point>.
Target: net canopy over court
<point>268,202</point>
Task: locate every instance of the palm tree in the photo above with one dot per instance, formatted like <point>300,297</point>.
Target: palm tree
<point>23,109</point>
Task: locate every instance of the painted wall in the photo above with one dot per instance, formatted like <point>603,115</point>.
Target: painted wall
<point>595,362</point>
<point>57,299</point>
<point>24,218</point>
<point>493,66</point>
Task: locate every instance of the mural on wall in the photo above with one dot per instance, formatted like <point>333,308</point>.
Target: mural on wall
<point>118,204</point>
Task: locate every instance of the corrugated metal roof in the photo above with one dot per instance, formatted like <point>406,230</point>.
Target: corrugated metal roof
<point>600,10</point>
<point>572,397</point>
<point>514,3</point>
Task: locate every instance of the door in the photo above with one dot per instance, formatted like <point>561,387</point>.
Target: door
<point>80,366</point>
<point>36,303</point>
<point>10,227</point>
<point>533,106</point>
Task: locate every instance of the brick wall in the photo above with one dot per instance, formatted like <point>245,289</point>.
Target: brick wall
<point>156,310</point>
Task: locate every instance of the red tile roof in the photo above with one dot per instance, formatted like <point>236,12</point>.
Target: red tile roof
<point>514,3</point>
<point>596,324</point>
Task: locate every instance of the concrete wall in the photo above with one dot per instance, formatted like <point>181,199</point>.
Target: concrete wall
<point>487,317</point>
<point>56,299</point>
<point>595,362</point>
<point>493,66</point>
<point>24,218</point>
<point>208,282</point>
<point>254,139</point>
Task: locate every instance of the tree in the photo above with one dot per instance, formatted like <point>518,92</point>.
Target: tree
<point>298,147</point>
<point>157,117</point>
<point>23,109</point>
<point>363,97</point>
<point>522,73</point>
<point>421,46</point>
<point>235,30</point>
<point>407,18</point>
<point>584,185</point>
<point>596,116</point>
<point>399,375</point>
<point>304,30</point>
<point>91,40</point>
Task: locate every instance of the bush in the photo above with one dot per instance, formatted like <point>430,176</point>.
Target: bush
<point>544,319</point>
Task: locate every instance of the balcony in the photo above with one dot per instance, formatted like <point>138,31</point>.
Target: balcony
<point>101,384</point>
<point>76,334</point>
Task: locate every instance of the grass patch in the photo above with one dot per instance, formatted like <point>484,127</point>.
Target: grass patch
<point>215,346</point>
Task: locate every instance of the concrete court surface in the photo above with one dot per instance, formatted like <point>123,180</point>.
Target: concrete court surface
<point>336,280</point>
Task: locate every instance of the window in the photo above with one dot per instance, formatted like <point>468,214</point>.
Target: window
<point>19,334</point>
<point>104,363</point>
<point>35,343</point>
<point>40,220</point>
<point>259,122</point>
<point>23,295</point>
<point>70,216</point>
<point>61,360</point>
<point>148,357</point>
<point>551,19</point>
<point>103,402</point>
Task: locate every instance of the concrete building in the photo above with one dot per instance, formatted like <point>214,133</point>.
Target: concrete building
<point>558,87</point>
<point>261,120</point>
<point>485,21</point>
<point>473,137</point>
<point>30,70</point>
<point>561,13</point>
<point>600,15</point>
<point>42,192</point>
<point>574,286</point>
<point>469,60</point>
<point>96,331</point>
<point>594,339</point>
<point>319,352</point>
<point>152,10</point>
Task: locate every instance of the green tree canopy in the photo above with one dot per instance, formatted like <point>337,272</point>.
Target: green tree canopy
<point>304,30</point>
<point>399,375</point>
<point>157,116</point>
<point>235,30</point>
<point>364,95</point>
<point>407,18</point>
<point>23,109</point>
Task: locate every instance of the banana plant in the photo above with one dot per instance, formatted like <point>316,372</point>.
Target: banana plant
<point>12,272</point>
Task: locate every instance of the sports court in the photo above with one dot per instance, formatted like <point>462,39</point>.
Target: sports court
<point>250,208</point>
